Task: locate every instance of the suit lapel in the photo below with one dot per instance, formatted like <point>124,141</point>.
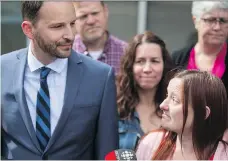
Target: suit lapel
<point>74,76</point>
<point>20,95</point>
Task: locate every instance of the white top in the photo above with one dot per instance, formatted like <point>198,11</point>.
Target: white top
<point>96,54</point>
<point>56,81</point>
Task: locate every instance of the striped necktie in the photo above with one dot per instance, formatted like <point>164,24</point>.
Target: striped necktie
<point>43,124</point>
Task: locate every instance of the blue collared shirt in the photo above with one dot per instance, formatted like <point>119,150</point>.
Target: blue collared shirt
<point>130,132</point>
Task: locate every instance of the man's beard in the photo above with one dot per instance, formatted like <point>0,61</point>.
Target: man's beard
<point>51,48</point>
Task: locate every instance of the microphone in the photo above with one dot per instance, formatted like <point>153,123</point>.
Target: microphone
<point>121,154</point>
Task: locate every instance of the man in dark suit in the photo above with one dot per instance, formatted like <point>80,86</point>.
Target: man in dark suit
<point>56,104</point>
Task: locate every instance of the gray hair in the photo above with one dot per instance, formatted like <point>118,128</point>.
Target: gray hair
<point>201,7</point>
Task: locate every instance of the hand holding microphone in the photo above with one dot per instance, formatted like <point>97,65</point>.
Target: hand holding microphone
<point>121,154</point>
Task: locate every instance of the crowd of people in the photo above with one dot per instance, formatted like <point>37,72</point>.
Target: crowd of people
<point>77,92</point>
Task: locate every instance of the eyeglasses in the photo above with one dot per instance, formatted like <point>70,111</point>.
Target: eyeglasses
<point>213,20</point>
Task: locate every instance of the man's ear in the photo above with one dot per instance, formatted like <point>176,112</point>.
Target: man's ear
<point>106,10</point>
<point>208,112</point>
<point>27,29</point>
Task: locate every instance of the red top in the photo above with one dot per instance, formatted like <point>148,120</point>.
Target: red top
<point>212,157</point>
<point>219,64</point>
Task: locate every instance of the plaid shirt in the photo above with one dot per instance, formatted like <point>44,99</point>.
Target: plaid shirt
<point>113,50</point>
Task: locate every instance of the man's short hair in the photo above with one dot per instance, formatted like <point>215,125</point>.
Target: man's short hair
<point>76,3</point>
<point>102,3</point>
<point>30,10</point>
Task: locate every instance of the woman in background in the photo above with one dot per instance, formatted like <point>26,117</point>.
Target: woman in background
<point>140,87</point>
<point>209,52</point>
<point>194,119</point>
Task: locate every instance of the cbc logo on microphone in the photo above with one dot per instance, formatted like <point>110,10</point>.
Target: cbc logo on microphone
<point>127,155</point>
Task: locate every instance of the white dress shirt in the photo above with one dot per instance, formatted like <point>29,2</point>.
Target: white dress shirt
<point>56,81</point>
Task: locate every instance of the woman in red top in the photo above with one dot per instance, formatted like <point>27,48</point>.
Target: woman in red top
<point>210,52</point>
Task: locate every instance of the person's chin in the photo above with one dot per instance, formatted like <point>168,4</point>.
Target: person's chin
<point>164,125</point>
<point>63,54</point>
<point>94,36</point>
<point>168,127</point>
<point>147,85</point>
<point>216,42</point>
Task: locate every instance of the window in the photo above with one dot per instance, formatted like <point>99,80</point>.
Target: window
<point>172,21</point>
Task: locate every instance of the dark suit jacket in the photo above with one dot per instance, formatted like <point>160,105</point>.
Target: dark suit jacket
<point>88,126</point>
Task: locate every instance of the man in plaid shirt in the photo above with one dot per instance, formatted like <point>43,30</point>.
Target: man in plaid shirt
<point>93,39</point>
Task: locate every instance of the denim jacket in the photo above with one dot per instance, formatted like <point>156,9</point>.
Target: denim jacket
<point>130,132</point>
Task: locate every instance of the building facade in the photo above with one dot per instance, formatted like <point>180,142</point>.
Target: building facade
<point>171,20</point>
